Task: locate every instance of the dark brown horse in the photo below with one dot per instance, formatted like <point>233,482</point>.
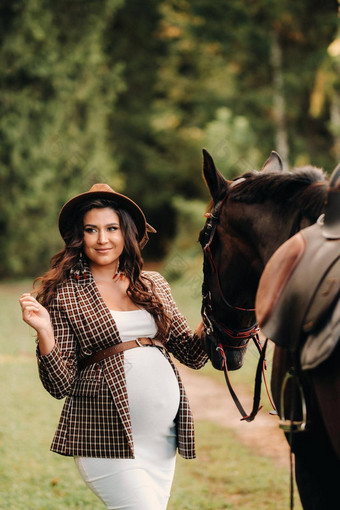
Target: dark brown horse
<point>247,220</point>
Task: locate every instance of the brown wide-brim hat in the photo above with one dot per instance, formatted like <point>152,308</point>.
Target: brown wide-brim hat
<point>70,209</point>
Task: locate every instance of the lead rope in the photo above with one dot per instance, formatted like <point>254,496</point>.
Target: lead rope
<point>263,349</point>
<point>291,458</point>
<point>291,463</point>
<point>261,367</point>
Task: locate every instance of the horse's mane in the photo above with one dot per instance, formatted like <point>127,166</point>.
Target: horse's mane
<point>305,187</point>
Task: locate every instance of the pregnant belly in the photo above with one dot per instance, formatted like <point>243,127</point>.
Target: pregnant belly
<point>153,392</point>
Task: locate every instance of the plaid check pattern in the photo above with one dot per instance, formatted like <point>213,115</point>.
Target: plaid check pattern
<point>95,419</point>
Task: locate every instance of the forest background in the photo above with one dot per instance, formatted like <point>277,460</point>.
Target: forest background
<point>128,92</point>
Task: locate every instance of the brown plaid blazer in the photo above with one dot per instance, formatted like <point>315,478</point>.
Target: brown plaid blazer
<point>95,419</point>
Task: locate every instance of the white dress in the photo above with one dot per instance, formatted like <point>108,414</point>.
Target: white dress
<point>142,483</point>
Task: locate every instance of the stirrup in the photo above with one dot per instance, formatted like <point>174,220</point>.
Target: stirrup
<point>288,425</point>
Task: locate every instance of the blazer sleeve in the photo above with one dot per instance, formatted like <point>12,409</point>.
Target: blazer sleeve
<point>183,343</point>
<point>58,369</point>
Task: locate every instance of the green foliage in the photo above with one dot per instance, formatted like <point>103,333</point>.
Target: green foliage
<point>233,143</point>
<point>183,262</point>
<point>56,93</point>
<point>129,92</point>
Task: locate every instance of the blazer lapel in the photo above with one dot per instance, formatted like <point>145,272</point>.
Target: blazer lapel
<point>96,321</point>
<point>101,332</point>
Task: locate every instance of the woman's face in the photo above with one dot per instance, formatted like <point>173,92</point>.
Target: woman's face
<point>103,238</point>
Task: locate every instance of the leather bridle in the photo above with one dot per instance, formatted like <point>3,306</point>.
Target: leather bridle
<point>210,322</point>
<point>220,333</point>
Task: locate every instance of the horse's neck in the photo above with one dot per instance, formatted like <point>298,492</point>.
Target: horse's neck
<point>282,228</point>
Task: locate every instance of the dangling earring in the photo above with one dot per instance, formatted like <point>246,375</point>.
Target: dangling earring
<point>119,275</point>
<point>79,267</point>
<point>82,265</point>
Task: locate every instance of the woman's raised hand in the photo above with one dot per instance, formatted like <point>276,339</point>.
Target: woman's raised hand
<point>34,314</point>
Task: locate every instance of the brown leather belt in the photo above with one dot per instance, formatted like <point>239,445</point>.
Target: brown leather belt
<point>114,349</point>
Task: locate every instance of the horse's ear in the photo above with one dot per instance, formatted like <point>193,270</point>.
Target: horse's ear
<point>214,179</point>
<point>273,164</point>
<point>334,181</point>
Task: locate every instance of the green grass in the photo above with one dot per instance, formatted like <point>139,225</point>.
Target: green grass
<point>225,474</point>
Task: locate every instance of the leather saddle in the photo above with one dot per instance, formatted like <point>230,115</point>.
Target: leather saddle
<point>297,303</point>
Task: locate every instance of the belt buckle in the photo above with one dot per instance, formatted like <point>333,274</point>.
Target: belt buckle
<point>144,345</point>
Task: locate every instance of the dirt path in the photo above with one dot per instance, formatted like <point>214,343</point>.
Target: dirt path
<point>211,401</point>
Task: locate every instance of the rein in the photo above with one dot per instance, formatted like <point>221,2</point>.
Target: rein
<point>220,333</point>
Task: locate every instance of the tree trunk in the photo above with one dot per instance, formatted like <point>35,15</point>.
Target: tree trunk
<point>279,104</point>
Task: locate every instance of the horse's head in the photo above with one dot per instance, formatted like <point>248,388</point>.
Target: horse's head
<point>247,220</point>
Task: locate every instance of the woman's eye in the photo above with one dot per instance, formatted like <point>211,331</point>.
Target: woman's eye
<point>112,229</point>
<point>89,230</point>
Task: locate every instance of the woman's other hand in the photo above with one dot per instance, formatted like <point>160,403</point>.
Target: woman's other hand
<point>200,329</point>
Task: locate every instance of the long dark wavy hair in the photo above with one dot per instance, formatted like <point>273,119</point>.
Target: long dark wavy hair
<point>130,263</point>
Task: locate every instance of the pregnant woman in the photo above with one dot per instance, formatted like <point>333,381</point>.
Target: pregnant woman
<point>105,329</point>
